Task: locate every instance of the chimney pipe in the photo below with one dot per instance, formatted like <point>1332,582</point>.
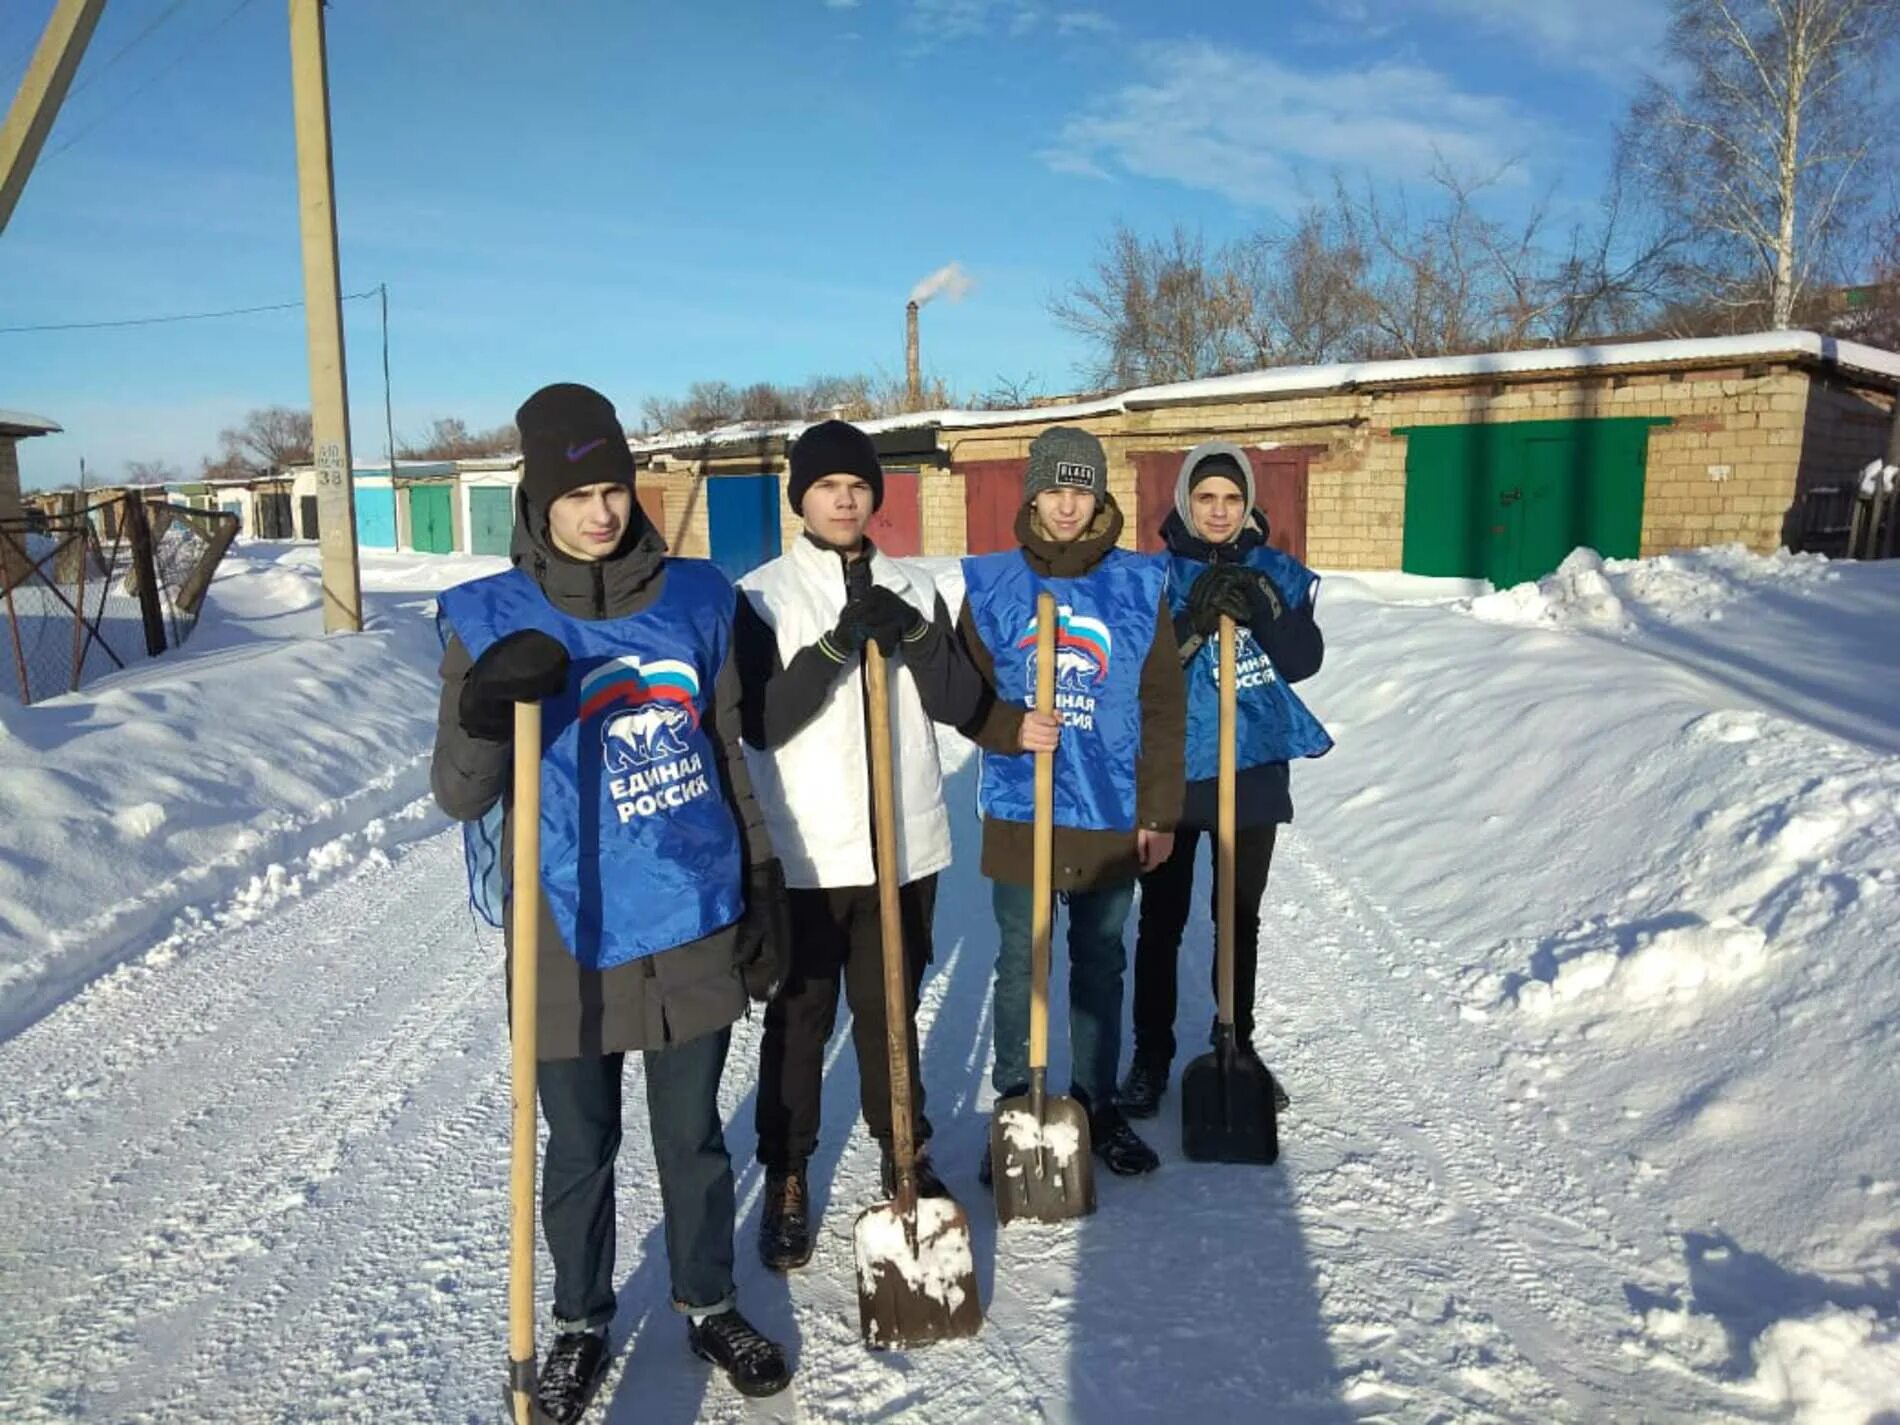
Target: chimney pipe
<point>913,370</point>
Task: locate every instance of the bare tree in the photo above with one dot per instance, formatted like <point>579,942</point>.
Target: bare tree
<point>1156,310</point>
<point>1010,393</point>
<point>269,439</point>
<point>450,438</point>
<point>1303,290</point>
<point>1763,148</point>
<point>151,472</point>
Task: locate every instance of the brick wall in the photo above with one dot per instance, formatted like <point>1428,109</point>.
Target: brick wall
<point>1723,469</point>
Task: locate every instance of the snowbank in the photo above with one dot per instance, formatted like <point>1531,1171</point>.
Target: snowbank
<point>1638,822</point>
<point>203,788</point>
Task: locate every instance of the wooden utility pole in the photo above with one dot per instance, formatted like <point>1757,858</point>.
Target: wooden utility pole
<point>323,316</point>
<point>62,45</point>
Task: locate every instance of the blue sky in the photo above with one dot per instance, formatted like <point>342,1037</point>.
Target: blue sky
<point>638,195</point>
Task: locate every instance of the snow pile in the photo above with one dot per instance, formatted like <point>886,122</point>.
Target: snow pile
<point>205,787</point>
<point>1837,1368</point>
<point>1654,876</point>
<point>942,1263</point>
<point>1619,595</point>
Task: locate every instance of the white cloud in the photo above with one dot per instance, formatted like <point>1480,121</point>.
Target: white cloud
<point>1078,22</point>
<point>1615,39</point>
<point>1249,127</point>
<point>843,4</point>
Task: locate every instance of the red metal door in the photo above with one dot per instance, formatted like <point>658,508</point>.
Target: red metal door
<point>897,527</point>
<point>992,494</point>
<point>1279,477</point>
<point>1155,474</point>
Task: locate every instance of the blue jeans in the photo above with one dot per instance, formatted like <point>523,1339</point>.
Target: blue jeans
<point>1097,958</point>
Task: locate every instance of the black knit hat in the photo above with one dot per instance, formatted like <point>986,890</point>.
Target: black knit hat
<point>833,448</point>
<point>570,437</point>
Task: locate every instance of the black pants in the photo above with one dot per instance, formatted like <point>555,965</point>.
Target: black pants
<point>1166,893</point>
<point>836,933</point>
<point>581,1101</point>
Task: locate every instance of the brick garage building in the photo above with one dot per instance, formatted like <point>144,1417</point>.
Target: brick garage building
<point>1491,466</point>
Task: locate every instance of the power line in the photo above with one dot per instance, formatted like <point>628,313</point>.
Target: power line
<point>130,45</point>
<point>180,317</point>
<point>158,74</point>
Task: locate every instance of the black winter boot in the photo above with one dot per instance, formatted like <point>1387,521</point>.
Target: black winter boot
<point>928,1183</point>
<point>784,1220</point>
<point>753,1364</point>
<point>1118,1145</point>
<point>570,1375</point>
<point>1141,1091</point>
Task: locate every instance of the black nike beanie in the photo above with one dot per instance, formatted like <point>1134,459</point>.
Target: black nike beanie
<point>570,437</point>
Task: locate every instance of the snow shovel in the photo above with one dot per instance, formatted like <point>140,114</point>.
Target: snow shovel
<point>916,1269</point>
<point>1227,1113</point>
<point>1039,1145</point>
<point>519,1401</point>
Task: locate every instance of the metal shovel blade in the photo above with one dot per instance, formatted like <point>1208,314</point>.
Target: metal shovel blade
<point>1227,1113</point>
<point>1040,1161</point>
<point>916,1275</point>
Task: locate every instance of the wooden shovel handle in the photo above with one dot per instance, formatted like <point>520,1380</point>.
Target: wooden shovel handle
<point>1224,826</point>
<point>524,1002</point>
<point>1042,874</point>
<point>890,915</point>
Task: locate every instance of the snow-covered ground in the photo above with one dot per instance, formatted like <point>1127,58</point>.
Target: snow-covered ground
<point>1577,963</point>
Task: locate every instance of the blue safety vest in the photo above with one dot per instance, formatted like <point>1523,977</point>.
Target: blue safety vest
<point>1271,724</point>
<point>639,852</point>
<point>1106,627</point>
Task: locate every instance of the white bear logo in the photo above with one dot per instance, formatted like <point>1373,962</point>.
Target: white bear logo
<point>644,735</point>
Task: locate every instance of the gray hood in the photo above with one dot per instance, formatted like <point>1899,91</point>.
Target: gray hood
<point>1194,457</point>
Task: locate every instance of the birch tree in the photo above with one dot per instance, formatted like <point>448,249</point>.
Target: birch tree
<point>1762,145</point>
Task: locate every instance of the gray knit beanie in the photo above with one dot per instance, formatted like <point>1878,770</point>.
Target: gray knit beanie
<point>1066,458</point>
<point>1209,458</point>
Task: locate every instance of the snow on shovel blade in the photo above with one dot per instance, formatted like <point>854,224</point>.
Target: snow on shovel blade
<point>1041,1170</point>
<point>913,1295</point>
<point>1227,1113</point>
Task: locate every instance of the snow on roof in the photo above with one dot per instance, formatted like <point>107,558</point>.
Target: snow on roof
<point>1345,376</point>
<point>1698,351</point>
<point>23,423</point>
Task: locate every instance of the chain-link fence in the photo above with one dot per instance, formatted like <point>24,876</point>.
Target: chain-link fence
<point>92,589</point>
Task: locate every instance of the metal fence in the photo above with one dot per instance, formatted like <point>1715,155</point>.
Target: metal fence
<point>93,589</point>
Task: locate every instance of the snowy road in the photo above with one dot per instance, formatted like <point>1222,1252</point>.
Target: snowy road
<point>265,1182</point>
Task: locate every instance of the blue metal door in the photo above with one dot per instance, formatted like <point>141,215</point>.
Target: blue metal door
<point>375,517</point>
<point>742,511</point>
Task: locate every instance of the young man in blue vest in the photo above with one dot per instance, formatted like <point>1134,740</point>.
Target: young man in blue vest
<point>662,904</point>
<point>1117,735</point>
<point>1221,563</point>
<point>804,620</point>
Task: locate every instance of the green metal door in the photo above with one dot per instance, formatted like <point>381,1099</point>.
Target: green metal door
<point>431,520</point>
<point>491,517</point>
<point>1510,502</point>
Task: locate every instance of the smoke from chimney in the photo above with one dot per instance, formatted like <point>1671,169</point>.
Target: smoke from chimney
<point>949,281</point>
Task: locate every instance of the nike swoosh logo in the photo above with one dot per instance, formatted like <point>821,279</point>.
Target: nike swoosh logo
<point>576,452</point>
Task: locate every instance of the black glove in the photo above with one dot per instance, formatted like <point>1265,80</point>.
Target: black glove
<point>1220,589</point>
<point>765,931</point>
<point>879,616</point>
<point>1265,598</point>
<point>524,667</point>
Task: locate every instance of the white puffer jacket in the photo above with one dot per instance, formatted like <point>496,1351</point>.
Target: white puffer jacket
<point>815,789</point>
